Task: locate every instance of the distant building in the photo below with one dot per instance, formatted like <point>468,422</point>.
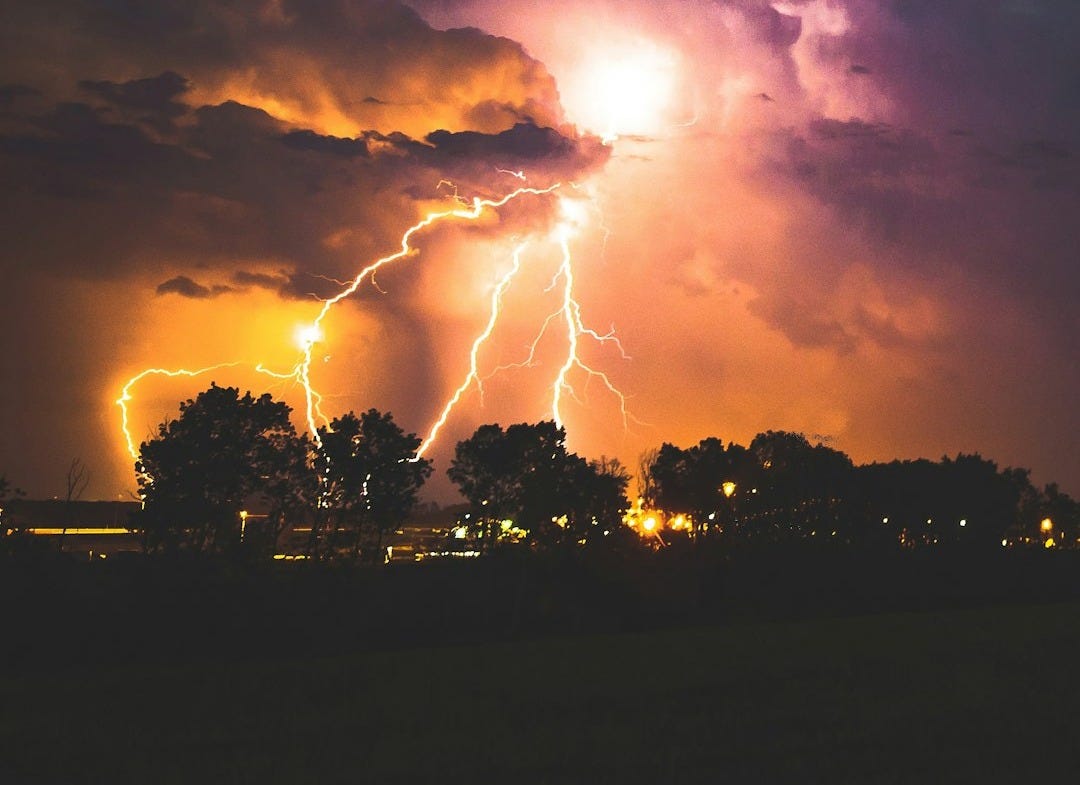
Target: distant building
<point>94,528</point>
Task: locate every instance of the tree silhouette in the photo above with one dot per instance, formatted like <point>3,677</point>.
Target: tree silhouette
<point>525,474</point>
<point>700,481</point>
<point>205,467</point>
<point>965,500</point>
<point>76,480</point>
<point>595,493</point>
<point>370,474</point>
<point>802,489</point>
<point>488,471</point>
<point>646,485</point>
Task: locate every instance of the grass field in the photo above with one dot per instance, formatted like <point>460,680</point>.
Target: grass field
<point>985,695</point>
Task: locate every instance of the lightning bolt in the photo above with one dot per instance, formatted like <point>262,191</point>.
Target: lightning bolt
<point>575,329</point>
<point>568,312</point>
<point>473,376</point>
<point>126,397</point>
<point>315,329</point>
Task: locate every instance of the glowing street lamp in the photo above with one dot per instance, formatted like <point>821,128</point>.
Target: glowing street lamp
<point>1046,526</point>
<point>728,488</point>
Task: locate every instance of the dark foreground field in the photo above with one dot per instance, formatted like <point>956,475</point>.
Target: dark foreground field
<point>979,692</point>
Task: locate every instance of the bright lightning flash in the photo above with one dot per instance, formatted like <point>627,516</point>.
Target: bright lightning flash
<point>623,88</point>
<point>307,336</point>
<point>573,216</point>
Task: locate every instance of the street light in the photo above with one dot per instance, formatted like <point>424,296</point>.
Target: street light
<point>1046,526</point>
<point>728,489</point>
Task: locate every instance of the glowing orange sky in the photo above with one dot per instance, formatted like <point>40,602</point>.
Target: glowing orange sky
<point>801,225</point>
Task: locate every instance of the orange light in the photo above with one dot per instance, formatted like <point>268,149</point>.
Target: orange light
<point>307,335</point>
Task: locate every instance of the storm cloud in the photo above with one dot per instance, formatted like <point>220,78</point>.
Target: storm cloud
<point>852,219</point>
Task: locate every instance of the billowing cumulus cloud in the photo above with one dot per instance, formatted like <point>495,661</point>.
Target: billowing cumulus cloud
<point>233,180</point>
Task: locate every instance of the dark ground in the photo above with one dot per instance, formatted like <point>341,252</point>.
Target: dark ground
<point>792,666</point>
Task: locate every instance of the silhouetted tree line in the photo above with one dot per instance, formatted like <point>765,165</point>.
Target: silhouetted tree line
<point>229,454</point>
<point>782,488</point>
<point>231,475</point>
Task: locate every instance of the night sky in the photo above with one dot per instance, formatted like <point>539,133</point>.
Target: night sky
<point>857,219</point>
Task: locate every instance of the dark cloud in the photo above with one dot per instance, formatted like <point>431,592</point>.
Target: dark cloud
<point>309,140</point>
<point>524,145</point>
<point>186,287</point>
<point>224,154</point>
<point>155,94</point>
<point>353,65</point>
<point>233,181</point>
